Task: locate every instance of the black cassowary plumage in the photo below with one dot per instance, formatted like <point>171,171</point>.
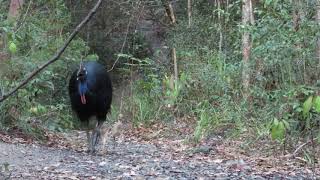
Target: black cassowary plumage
<point>90,91</point>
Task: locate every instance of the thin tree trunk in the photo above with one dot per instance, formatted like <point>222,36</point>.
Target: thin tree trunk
<point>14,12</point>
<point>247,18</point>
<point>15,7</point>
<point>189,12</point>
<point>318,38</point>
<point>220,28</point>
<point>299,66</point>
<point>296,20</point>
<point>169,10</point>
<point>175,64</point>
<point>251,13</point>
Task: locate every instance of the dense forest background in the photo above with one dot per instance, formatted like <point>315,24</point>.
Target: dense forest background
<point>235,69</point>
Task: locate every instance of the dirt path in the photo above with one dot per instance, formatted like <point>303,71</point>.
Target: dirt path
<point>129,158</point>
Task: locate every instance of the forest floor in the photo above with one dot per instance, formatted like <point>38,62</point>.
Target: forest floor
<point>156,152</point>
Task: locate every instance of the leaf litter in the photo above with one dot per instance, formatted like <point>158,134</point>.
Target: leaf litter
<point>158,151</point>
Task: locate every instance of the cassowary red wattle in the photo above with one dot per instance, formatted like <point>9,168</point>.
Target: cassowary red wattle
<point>90,91</point>
<point>83,89</point>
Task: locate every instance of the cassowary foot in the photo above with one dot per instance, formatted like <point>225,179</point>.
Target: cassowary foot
<point>90,149</point>
<point>94,141</point>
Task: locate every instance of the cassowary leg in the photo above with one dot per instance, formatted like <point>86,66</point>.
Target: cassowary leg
<point>84,125</point>
<point>104,137</point>
<point>88,139</point>
<point>96,136</point>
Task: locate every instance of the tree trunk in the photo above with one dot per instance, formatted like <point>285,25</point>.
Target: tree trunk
<point>247,18</point>
<point>318,38</point>
<point>220,28</point>
<point>189,12</point>
<point>175,64</point>
<point>15,7</point>
<point>169,10</point>
<point>14,11</point>
<point>299,63</point>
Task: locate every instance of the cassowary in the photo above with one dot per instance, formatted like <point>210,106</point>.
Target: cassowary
<point>90,92</point>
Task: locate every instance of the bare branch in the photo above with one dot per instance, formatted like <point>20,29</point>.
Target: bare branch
<point>57,55</point>
<point>300,147</point>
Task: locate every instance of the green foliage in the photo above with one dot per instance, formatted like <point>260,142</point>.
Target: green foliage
<point>207,119</point>
<point>202,124</point>
<point>282,75</point>
<point>145,110</point>
<point>173,88</point>
<point>316,104</point>
<point>12,47</point>
<point>278,129</point>
<point>31,43</point>
<point>308,115</point>
<point>298,114</point>
<point>283,67</point>
<point>275,40</point>
<point>306,107</point>
<point>147,100</point>
<point>209,71</point>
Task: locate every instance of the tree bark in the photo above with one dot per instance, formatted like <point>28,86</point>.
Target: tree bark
<point>220,28</point>
<point>189,12</point>
<point>247,18</point>
<point>175,64</point>
<point>169,10</point>
<point>14,12</point>
<point>15,7</point>
<point>318,38</point>
<point>299,63</point>
<point>251,13</point>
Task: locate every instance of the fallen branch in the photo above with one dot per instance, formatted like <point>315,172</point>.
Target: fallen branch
<point>57,55</point>
<point>300,147</point>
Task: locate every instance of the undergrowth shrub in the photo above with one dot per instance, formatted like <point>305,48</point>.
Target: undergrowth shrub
<point>43,102</point>
<point>209,53</point>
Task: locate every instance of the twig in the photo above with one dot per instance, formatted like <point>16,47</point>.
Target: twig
<point>57,55</point>
<point>124,41</point>
<point>301,146</point>
<point>122,47</point>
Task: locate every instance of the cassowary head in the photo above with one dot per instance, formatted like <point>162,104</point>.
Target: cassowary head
<point>82,83</point>
<point>82,73</point>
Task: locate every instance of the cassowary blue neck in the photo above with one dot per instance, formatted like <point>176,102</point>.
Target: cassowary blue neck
<point>83,88</point>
